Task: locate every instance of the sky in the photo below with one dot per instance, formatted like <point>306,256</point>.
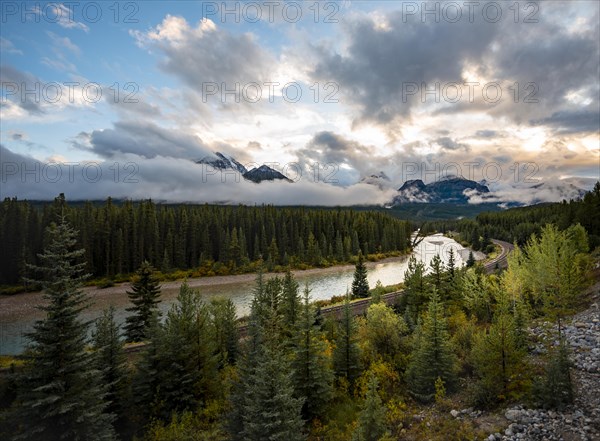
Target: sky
<point>120,99</point>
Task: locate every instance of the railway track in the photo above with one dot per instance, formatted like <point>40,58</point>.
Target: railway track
<point>360,307</point>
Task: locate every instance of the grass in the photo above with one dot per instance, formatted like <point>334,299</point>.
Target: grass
<point>6,361</point>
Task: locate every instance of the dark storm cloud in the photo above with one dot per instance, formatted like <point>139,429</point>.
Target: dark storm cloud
<point>569,122</point>
<point>147,140</point>
<point>379,61</point>
<point>547,60</point>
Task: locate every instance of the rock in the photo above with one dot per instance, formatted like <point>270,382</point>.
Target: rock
<point>512,414</point>
<point>454,413</point>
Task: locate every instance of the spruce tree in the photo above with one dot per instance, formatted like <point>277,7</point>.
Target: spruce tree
<point>416,290</point>
<point>360,285</point>
<point>187,361</point>
<point>144,295</point>
<point>224,320</point>
<point>433,356</point>
<point>262,401</point>
<point>555,391</point>
<point>291,304</point>
<point>470,260</point>
<point>437,273</point>
<point>451,265</point>
<point>60,395</point>
<point>112,364</point>
<point>313,374</point>
<point>346,355</point>
<point>371,422</point>
<point>270,409</point>
<point>498,360</point>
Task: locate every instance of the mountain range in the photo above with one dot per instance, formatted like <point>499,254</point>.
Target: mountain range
<point>451,190</point>
<point>223,162</point>
<point>448,190</point>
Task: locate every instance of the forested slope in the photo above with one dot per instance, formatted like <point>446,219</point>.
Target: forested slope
<point>118,237</point>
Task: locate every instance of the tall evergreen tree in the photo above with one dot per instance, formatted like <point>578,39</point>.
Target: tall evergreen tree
<point>187,360</point>
<point>145,296</point>
<point>555,390</point>
<point>498,360</point>
<point>360,285</point>
<point>437,273</point>
<point>291,305</point>
<point>433,356</point>
<point>346,355</point>
<point>371,421</point>
<point>313,374</point>
<point>224,320</point>
<point>416,290</point>
<point>470,260</point>
<point>262,401</point>
<point>112,364</point>
<point>271,411</point>
<point>61,397</point>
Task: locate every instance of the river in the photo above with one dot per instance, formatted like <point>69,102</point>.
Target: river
<point>18,312</point>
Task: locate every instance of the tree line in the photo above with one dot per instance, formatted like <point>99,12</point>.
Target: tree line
<point>118,237</point>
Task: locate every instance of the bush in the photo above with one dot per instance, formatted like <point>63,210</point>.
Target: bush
<point>105,283</point>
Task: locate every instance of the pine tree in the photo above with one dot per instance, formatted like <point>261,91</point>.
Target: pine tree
<point>371,422</point>
<point>437,273</point>
<point>451,265</point>
<point>346,355</point>
<point>498,360</point>
<point>360,285</point>
<point>270,410</point>
<point>290,302</point>
<point>262,401</point>
<point>556,388</point>
<point>144,295</point>
<point>226,330</point>
<point>60,397</point>
<point>112,364</point>
<point>313,374</point>
<point>188,365</point>
<point>470,260</point>
<point>433,356</point>
<point>416,290</point>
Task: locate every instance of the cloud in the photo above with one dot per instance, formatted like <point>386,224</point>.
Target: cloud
<point>448,143</point>
<point>30,103</point>
<point>8,47</point>
<point>487,134</point>
<point>146,139</point>
<point>166,179</point>
<point>206,54</point>
<point>572,121</point>
<point>62,15</point>
<point>351,159</point>
<point>379,62</point>
<point>381,56</point>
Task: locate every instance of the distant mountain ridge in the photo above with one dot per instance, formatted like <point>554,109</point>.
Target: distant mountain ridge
<point>221,161</point>
<point>450,190</point>
<point>264,173</point>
